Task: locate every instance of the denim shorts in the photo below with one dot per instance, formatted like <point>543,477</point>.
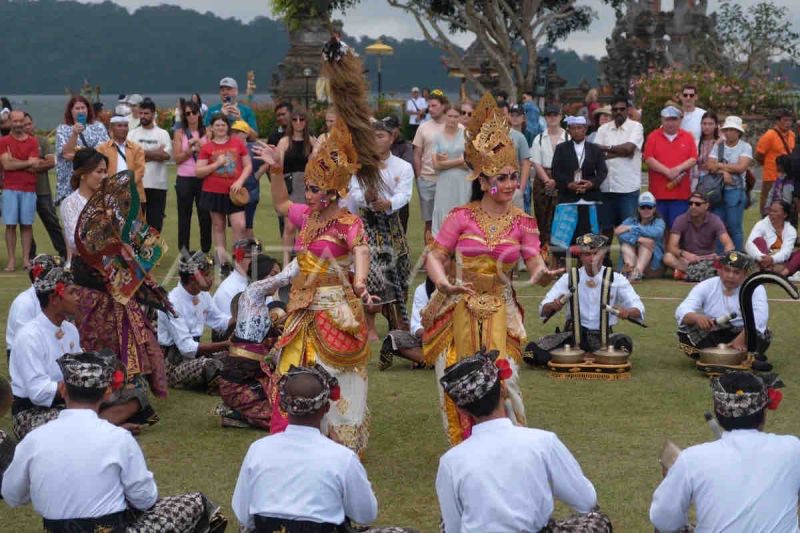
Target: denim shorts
<point>19,207</point>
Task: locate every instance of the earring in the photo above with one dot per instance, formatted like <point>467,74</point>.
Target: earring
<point>493,190</point>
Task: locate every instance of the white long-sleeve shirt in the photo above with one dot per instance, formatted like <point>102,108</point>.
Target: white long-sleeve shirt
<point>421,299</point>
<point>34,371</point>
<point>194,314</point>
<point>235,283</point>
<point>764,228</point>
<point>622,295</point>
<point>79,466</point>
<point>301,475</point>
<point>504,479</point>
<point>708,297</point>
<point>745,482</point>
<point>24,308</point>
<point>398,177</point>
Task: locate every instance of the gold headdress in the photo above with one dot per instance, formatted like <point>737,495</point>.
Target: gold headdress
<point>335,162</point>
<point>489,147</point>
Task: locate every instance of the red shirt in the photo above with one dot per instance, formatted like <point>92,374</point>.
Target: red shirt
<point>670,154</point>
<point>221,180</point>
<point>20,180</point>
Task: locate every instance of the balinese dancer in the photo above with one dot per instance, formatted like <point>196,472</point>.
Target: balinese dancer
<point>588,292</point>
<point>117,251</point>
<point>325,322</point>
<point>711,314</point>
<point>81,473</point>
<point>388,249</point>
<point>191,363</point>
<point>244,383</point>
<point>471,261</point>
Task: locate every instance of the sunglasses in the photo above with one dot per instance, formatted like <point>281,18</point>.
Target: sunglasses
<point>689,95</point>
<point>189,112</point>
<point>697,204</point>
<point>647,207</point>
<point>619,109</point>
<point>466,113</point>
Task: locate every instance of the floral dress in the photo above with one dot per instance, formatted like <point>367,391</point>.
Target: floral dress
<point>485,249</point>
<point>325,322</point>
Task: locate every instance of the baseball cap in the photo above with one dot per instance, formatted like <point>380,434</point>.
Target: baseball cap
<point>552,109</point>
<point>647,198</point>
<point>228,82</point>
<point>415,89</point>
<point>517,109</point>
<point>671,112</point>
<point>135,99</point>
<point>241,125</point>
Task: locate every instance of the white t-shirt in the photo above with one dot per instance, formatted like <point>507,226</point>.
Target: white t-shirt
<point>624,173</point>
<point>414,106</point>
<point>155,172</point>
<point>691,122</point>
<point>425,140</point>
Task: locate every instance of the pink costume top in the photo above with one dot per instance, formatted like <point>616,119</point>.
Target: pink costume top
<point>470,232</point>
<point>338,236</point>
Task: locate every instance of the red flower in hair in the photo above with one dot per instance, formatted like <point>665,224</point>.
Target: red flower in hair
<point>775,397</point>
<point>36,270</point>
<point>60,288</point>
<point>117,380</point>
<point>336,393</point>
<point>504,368</point>
<point>238,254</point>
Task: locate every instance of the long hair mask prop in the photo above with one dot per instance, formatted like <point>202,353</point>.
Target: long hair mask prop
<point>488,146</point>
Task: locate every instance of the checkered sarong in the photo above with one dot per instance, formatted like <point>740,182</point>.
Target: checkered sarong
<point>185,513</point>
<point>193,373</point>
<point>591,522</point>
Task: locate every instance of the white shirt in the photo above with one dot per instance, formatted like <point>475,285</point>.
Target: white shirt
<point>708,297</point>
<point>764,229</point>
<point>122,163</point>
<point>70,209</point>
<point>191,320</point>
<point>414,106</point>
<point>34,371</point>
<point>622,295</point>
<point>155,172</point>
<point>580,150</point>
<point>624,173</point>
<point>398,178</point>
<point>235,283</point>
<point>692,122</point>
<point>301,475</point>
<point>421,299</point>
<point>542,149</point>
<point>504,478</point>
<point>79,466</point>
<point>24,308</point>
<point>745,482</point>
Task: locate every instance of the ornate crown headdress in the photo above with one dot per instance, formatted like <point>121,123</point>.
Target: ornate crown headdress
<point>335,163</point>
<point>489,147</point>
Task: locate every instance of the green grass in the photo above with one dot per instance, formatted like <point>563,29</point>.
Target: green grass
<point>615,429</point>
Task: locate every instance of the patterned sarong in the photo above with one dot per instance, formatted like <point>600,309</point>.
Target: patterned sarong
<point>196,373</point>
<point>25,421</point>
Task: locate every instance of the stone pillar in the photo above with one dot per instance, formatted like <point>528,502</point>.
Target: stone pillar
<point>305,52</point>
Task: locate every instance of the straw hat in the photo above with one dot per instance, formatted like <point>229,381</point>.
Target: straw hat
<point>240,198</point>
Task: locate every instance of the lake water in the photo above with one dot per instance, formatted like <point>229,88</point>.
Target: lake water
<point>48,109</point>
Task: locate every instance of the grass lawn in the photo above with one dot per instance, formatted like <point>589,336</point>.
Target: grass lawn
<point>615,429</point>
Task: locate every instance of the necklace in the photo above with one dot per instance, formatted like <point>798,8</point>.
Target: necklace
<point>59,333</point>
<point>494,227</point>
<point>314,228</point>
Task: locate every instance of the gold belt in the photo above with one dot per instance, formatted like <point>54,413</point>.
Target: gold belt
<point>245,354</point>
<point>489,297</point>
<point>485,283</point>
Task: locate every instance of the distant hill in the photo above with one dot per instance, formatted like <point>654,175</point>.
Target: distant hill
<point>48,45</point>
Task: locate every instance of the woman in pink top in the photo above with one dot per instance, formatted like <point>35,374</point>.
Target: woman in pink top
<point>472,262</point>
<point>186,144</point>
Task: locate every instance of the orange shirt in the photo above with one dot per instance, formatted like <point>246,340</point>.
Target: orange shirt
<point>771,145</point>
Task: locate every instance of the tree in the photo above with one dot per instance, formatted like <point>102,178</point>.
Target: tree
<point>511,31</point>
<point>752,39</point>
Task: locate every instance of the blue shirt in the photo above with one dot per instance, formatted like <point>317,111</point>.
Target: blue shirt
<point>247,114</point>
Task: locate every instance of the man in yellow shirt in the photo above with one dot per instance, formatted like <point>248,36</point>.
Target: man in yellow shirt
<point>123,154</point>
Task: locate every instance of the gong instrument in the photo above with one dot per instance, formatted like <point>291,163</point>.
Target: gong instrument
<point>567,355</point>
<point>722,354</point>
<point>611,356</point>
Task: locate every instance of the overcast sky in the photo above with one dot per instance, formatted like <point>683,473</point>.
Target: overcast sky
<point>375,17</point>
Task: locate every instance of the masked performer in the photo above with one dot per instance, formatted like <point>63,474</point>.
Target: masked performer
<point>81,473</point>
<point>325,322</point>
<point>471,260</point>
<point>117,251</point>
<point>587,291</point>
<point>711,314</point>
